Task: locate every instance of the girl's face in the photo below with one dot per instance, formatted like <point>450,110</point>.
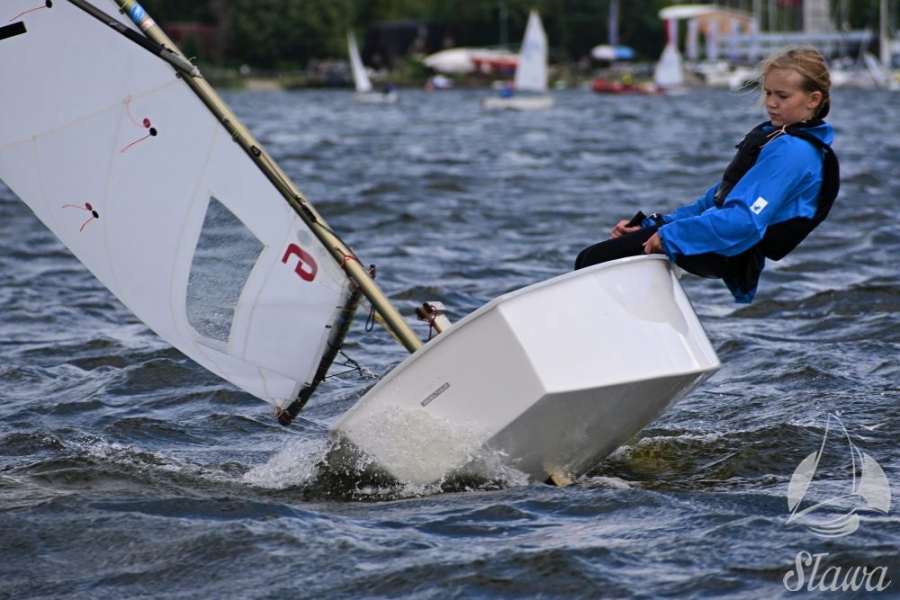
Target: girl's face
<point>786,102</point>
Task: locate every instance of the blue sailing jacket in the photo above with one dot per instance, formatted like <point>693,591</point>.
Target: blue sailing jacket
<point>784,183</point>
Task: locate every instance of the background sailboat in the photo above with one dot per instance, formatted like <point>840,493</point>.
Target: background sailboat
<point>888,47</point>
<point>361,81</point>
<point>530,82</point>
<point>669,71</point>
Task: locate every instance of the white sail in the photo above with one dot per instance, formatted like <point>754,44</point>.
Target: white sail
<point>360,78</point>
<point>669,70</point>
<point>123,162</point>
<point>531,72</point>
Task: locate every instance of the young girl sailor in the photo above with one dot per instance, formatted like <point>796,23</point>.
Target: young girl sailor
<point>780,185</point>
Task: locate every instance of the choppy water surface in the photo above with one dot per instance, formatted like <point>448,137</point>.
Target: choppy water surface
<point>126,471</point>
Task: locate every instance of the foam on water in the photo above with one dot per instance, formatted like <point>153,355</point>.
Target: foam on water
<point>294,464</point>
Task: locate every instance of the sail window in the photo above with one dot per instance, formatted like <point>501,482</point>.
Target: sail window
<point>225,254</point>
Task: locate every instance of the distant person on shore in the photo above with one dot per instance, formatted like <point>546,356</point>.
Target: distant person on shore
<point>779,187</point>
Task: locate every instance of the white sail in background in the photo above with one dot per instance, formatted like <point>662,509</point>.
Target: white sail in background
<point>361,81</point>
<point>669,70</point>
<point>123,162</point>
<point>360,78</point>
<point>531,72</point>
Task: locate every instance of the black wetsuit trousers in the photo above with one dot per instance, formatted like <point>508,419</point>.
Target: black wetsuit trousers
<point>709,265</point>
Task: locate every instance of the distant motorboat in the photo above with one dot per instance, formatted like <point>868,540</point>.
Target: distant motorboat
<point>604,85</point>
<point>721,74</point>
<point>463,61</point>
<point>490,61</point>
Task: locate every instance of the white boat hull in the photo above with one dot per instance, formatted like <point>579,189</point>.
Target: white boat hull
<point>517,103</point>
<point>376,97</point>
<point>550,378</point>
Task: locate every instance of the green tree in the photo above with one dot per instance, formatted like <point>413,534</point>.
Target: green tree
<point>276,33</point>
<point>170,11</point>
<point>271,33</point>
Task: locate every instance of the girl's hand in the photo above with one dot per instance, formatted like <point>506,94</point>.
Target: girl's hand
<point>653,245</point>
<point>622,228</point>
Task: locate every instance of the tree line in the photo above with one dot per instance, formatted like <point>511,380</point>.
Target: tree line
<point>290,33</point>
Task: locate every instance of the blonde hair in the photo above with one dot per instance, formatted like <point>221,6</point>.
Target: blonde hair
<point>811,66</point>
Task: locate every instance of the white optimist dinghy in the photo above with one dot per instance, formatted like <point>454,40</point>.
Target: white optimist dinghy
<point>530,80</point>
<point>361,81</point>
<point>122,149</point>
<point>551,378</point>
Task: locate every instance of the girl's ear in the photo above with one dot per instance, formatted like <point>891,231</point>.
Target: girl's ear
<point>815,99</point>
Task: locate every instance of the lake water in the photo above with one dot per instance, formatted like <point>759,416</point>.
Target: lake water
<point>126,471</point>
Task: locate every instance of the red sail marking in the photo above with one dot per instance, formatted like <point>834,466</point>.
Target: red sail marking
<point>306,266</point>
<point>87,206</point>
<point>47,4</point>
<point>145,123</point>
